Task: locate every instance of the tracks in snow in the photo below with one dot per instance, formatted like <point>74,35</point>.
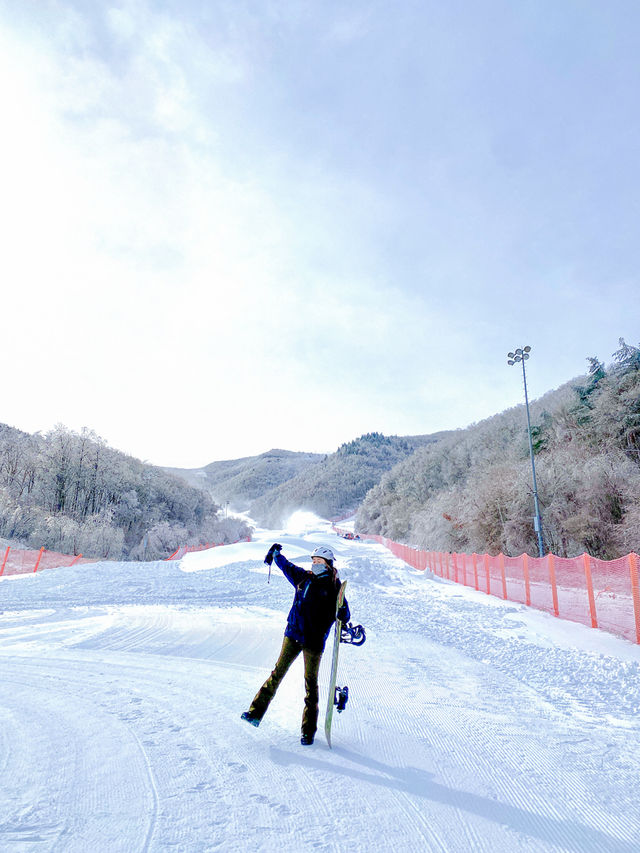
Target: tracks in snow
<point>122,722</point>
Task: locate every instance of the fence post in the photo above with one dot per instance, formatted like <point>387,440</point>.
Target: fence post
<point>4,562</point>
<point>455,568</point>
<point>38,560</point>
<point>554,587</point>
<point>592,601</point>
<point>635,591</point>
<point>527,585</point>
<point>475,570</point>
<point>486,571</point>
<point>504,577</point>
<point>75,560</point>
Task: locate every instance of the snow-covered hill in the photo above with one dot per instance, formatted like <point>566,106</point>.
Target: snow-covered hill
<point>473,724</point>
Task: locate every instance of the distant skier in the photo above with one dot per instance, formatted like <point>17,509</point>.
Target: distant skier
<point>308,625</point>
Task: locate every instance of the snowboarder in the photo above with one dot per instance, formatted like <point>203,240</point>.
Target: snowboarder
<point>308,625</point>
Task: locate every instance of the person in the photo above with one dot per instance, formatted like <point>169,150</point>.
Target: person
<point>308,624</point>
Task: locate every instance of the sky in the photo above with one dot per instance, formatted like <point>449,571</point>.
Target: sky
<point>233,226</point>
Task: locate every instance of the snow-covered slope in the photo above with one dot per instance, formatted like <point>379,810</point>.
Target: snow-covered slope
<point>473,724</point>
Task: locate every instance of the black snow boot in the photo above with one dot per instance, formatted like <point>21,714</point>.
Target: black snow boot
<point>306,740</point>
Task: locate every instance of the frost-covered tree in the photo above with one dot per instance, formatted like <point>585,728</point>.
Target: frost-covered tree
<point>71,492</point>
<point>472,490</point>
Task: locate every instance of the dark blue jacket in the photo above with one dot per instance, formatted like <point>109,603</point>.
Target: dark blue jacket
<point>314,606</point>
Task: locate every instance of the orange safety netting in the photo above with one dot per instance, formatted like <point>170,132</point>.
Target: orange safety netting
<point>189,549</point>
<point>18,561</point>
<point>22,561</point>
<point>600,593</point>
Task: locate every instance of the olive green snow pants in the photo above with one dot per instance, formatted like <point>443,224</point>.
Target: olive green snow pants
<point>289,652</point>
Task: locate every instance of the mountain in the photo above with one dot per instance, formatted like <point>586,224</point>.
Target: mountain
<point>241,481</point>
<point>337,484</point>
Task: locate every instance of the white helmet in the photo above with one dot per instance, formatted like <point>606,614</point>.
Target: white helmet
<point>324,552</point>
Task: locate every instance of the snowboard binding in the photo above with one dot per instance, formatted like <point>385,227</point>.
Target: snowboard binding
<point>341,698</point>
<point>354,635</point>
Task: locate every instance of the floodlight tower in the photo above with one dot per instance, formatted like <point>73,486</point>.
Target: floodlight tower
<point>521,355</point>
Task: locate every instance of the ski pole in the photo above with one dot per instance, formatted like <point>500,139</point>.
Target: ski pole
<point>275,548</point>
<point>268,560</point>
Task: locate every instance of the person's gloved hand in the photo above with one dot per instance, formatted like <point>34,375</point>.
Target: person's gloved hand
<point>343,613</point>
<point>275,549</point>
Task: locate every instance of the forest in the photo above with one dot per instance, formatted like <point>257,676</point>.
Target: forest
<point>72,493</point>
<point>472,490</point>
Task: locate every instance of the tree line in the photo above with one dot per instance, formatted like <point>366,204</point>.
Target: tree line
<point>70,492</point>
<point>472,491</point>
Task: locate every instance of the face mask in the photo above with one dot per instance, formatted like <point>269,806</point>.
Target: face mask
<point>319,568</point>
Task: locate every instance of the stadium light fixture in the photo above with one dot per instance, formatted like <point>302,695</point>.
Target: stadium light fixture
<point>520,356</point>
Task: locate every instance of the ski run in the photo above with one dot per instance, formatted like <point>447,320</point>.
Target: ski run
<point>473,725</point>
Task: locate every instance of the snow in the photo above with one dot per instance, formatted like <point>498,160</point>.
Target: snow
<point>473,724</point>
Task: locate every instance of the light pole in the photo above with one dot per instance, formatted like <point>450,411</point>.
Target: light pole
<point>522,355</point>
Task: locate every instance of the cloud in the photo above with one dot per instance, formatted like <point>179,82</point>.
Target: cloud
<point>151,273</point>
<point>220,218</point>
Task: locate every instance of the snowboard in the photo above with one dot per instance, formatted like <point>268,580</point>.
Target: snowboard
<point>337,632</point>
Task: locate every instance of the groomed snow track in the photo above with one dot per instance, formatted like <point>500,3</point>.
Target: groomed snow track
<point>473,725</point>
